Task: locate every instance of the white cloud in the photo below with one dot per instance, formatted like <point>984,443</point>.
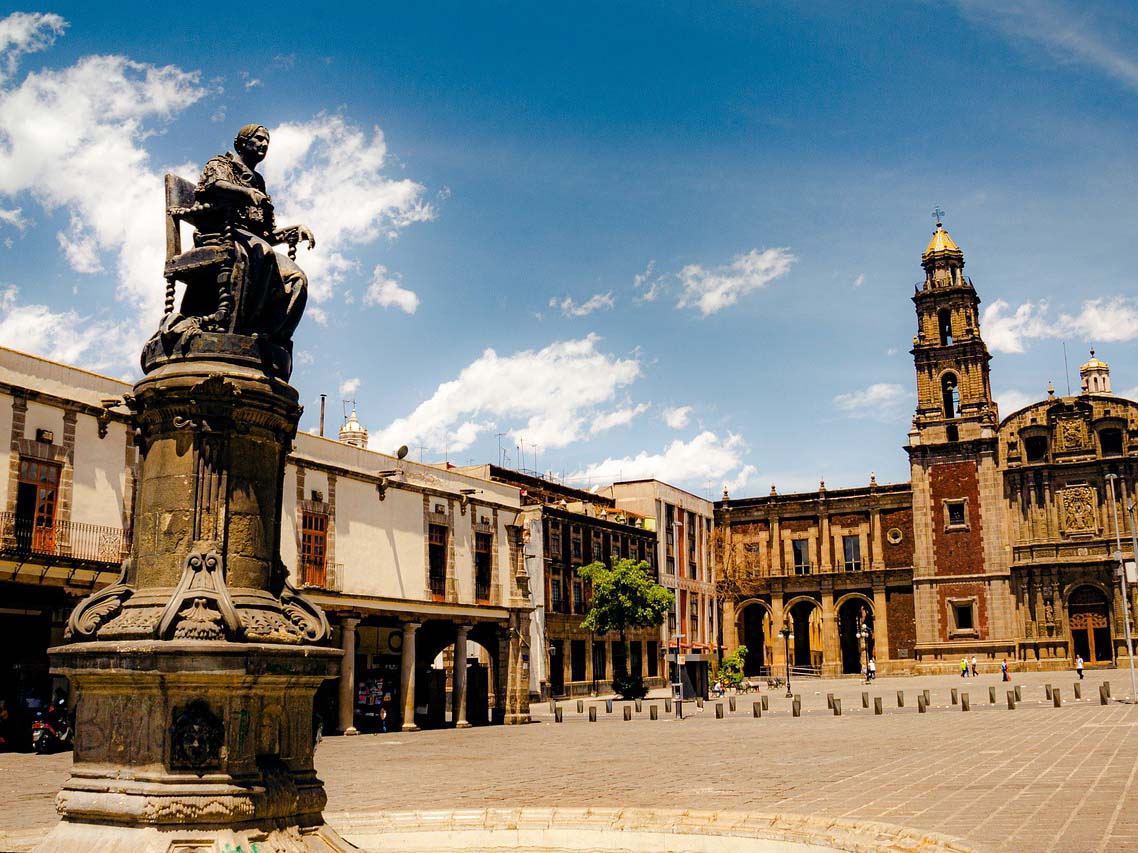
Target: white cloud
<point>615,418</point>
<point>328,175</point>
<point>1065,31</point>
<point>879,401</point>
<point>1011,400</point>
<point>80,248</point>
<point>13,217</point>
<point>596,302</point>
<point>677,417</point>
<point>1104,319</point>
<point>654,282</point>
<point>67,337</point>
<point>714,290</point>
<point>349,387</point>
<point>860,280</point>
<point>1130,393</point>
<point>547,397</point>
<point>705,457</point>
<point>24,32</point>
<point>386,292</point>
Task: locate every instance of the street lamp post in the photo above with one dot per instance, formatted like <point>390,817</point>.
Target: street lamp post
<point>678,685</point>
<point>787,635</point>
<point>862,634</point>
<point>1111,479</point>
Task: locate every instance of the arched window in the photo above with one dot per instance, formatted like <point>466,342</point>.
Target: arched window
<point>950,395</point>
<point>944,323</point>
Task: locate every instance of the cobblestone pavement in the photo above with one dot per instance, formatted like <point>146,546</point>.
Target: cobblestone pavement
<point>1036,778</point>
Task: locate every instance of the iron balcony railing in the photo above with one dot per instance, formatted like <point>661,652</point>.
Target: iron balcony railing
<point>320,574</point>
<point>438,584</point>
<point>24,538</point>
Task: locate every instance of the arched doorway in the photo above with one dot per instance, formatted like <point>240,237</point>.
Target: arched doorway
<point>806,623</point>
<point>755,634</point>
<point>1088,613</point>
<point>852,611</point>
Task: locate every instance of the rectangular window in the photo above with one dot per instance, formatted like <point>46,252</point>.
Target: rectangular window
<point>956,514</point>
<point>962,616</point>
<point>670,566</point>
<point>600,660</point>
<point>598,550</point>
<point>693,621</point>
<point>555,539</point>
<point>577,545</point>
<point>314,549</point>
<point>637,666</point>
<point>618,658</point>
<point>693,570</point>
<point>577,661</point>
<point>556,599</point>
<point>801,556</point>
<point>578,596</point>
<point>851,547</point>
<point>437,552</point>
<point>37,493</point>
<point>483,545</point>
<point>653,655</point>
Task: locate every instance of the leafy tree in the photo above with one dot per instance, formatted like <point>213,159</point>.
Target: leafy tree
<point>731,670</point>
<point>625,597</point>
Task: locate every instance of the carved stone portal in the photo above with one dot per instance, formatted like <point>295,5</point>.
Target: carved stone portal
<point>1080,509</point>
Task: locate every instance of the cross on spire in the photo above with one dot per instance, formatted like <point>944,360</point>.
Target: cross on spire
<point>938,215</point>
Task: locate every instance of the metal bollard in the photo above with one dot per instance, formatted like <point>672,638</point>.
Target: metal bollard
<point>1011,700</point>
<point>877,706</point>
<point>756,709</point>
<point>1078,690</point>
<point>608,706</point>
<point>719,710</point>
<point>922,703</point>
<point>552,707</point>
<point>955,696</point>
<point>837,707</point>
<point>1047,690</point>
<point>557,714</point>
<point>653,712</point>
<point>1019,693</point>
<point>639,706</point>
<point>731,703</point>
<point>1103,695</point>
<point>580,706</point>
<point>592,713</point>
<point>964,704</point>
<point>667,706</point>
<point>991,695</point>
<point>699,702</point>
<point>900,698</point>
<point>766,707</point>
<point>864,699</point>
<point>798,698</point>
<point>796,707</point>
<point>829,701</point>
<point>1106,685</point>
<point>1056,698</point>
<point>627,713</point>
<point>928,698</point>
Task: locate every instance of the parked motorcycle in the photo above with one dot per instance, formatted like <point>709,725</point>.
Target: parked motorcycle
<point>51,731</point>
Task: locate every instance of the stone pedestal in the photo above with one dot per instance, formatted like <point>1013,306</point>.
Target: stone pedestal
<point>193,676</point>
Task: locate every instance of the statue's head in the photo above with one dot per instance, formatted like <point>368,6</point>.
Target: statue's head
<point>252,143</point>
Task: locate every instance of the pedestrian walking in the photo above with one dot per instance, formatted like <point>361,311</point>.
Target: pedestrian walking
<point>1079,666</point>
<point>873,670</point>
<point>1004,671</point>
<point>964,667</point>
<point>974,671</point>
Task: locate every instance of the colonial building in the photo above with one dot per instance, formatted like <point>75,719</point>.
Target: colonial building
<point>1000,546</point>
<point>573,528</point>
<point>413,565</point>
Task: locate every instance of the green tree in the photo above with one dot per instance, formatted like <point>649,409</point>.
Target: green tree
<point>625,597</point>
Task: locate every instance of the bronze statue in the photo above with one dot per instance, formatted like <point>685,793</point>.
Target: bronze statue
<point>236,282</point>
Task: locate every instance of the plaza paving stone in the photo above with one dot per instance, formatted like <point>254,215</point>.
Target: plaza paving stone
<point>1037,778</point>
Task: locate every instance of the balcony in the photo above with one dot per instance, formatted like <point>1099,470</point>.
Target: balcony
<point>320,574</point>
<point>23,539</point>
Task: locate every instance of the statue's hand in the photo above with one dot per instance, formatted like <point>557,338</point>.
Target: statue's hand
<point>304,235</point>
<point>257,198</point>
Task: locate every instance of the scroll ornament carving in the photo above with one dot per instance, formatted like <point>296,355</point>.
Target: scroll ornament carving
<point>202,583</point>
<point>1073,435</point>
<point>98,608</point>
<point>1079,509</point>
<point>304,614</point>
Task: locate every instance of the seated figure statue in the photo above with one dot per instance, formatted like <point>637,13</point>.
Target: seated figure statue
<point>255,290</point>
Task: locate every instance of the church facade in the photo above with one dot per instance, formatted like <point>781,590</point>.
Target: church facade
<point>1002,546</point>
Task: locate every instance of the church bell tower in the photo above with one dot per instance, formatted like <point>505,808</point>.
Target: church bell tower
<point>961,585</point>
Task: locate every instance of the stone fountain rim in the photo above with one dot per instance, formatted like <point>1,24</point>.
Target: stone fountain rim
<point>834,833</point>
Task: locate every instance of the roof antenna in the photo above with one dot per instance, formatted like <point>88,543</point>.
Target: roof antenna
<point>1066,371</point>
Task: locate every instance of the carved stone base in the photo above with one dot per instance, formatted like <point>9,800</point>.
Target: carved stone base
<point>193,746</point>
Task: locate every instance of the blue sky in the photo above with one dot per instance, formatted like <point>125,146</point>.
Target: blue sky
<point>645,240</point>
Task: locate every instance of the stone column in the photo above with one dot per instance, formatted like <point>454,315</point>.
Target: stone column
<point>880,623</point>
<point>878,559</point>
<point>831,646</point>
<point>778,645</point>
<point>730,630</point>
<point>459,679</point>
<point>824,544</point>
<point>407,676</point>
<point>346,725</point>
<point>776,547</point>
